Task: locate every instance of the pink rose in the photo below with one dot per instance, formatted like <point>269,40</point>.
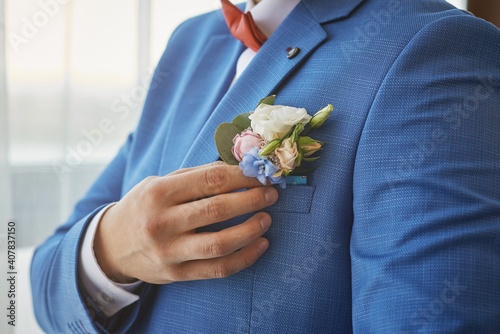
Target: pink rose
<point>244,142</point>
<point>287,155</point>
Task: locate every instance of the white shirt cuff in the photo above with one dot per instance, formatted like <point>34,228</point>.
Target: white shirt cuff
<point>109,296</point>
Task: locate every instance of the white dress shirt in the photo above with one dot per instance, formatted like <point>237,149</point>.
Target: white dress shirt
<point>110,296</point>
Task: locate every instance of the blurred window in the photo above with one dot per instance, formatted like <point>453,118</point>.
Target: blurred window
<point>77,73</point>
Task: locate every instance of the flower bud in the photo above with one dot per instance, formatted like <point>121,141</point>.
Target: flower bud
<point>309,146</point>
<point>270,147</point>
<point>296,131</point>
<point>320,117</point>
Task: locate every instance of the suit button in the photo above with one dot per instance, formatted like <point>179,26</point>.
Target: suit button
<point>292,52</point>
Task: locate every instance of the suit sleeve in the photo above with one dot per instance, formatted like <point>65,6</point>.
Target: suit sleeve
<point>425,244</point>
<point>57,297</point>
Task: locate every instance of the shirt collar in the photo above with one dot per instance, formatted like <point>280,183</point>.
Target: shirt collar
<point>268,14</point>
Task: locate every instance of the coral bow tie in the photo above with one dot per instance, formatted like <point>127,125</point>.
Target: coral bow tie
<point>242,26</point>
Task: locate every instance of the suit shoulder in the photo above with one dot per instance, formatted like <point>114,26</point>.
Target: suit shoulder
<point>441,18</point>
<point>401,20</point>
<point>464,20</point>
<point>460,35</point>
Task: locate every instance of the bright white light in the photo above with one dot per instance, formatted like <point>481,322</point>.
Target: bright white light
<point>462,4</point>
<point>167,15</point>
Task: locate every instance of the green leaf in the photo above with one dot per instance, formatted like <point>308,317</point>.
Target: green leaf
<point>296,130</point>
<point>288,134</point>
<point>267,100</point>
<point>310,159</point>
<point>314,151</point>
<point>224,141</point>
<point>242,121</point>
<point>299,159</point>
<point>303,140</point>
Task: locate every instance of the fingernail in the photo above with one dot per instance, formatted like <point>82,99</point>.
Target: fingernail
<point>265,222</point>
<point>264,244</point>
<point>271,195</point>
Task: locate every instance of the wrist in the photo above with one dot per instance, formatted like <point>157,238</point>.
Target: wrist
<point>106,248</point>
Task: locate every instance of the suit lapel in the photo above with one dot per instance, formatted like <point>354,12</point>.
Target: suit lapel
<point>330,10</point>
<point>267,70</point>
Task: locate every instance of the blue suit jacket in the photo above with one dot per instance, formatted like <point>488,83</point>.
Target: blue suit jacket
<point>397,231</point>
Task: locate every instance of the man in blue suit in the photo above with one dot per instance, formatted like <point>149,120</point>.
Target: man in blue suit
<point>397,231</point>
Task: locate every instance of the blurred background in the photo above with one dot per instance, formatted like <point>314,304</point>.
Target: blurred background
<point>73,77</point>
<point>66,68</point>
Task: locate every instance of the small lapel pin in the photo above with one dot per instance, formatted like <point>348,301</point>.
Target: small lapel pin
<point>292,52</point>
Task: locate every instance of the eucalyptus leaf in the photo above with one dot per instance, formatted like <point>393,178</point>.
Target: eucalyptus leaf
<point>242,121</point>
<point>224,141</point>
<point>267,100</point>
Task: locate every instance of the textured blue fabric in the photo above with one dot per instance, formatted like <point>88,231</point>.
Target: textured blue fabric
<point>398,230</point>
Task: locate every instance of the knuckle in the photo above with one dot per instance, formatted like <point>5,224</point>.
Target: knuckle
<point>257,199</point>
<point>216,163</point>
<point>152,190</point>
<point>178,171</point>
<point>150,178</point>
<point>175,274</point>
<point>248,261</point>
<point>215,248</point>
<point>215,208</point>
<point>215,178</point>
<point>221,271</point>
<point>151,227</point>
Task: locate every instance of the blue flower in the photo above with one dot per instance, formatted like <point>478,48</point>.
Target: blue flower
<point>253,165</point>
<point>278,180</point>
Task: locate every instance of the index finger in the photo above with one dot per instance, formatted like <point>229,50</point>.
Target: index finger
<point>185,170</point>
<point>209,181</point>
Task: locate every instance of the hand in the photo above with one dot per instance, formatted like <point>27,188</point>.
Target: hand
<point>150,234</point>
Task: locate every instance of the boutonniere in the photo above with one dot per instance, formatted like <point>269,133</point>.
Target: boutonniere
<point>271,142</point>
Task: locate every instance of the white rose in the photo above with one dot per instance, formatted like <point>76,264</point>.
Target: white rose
<point>272,122</point>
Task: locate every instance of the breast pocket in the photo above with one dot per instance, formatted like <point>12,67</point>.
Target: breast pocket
<point>295,199</point>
